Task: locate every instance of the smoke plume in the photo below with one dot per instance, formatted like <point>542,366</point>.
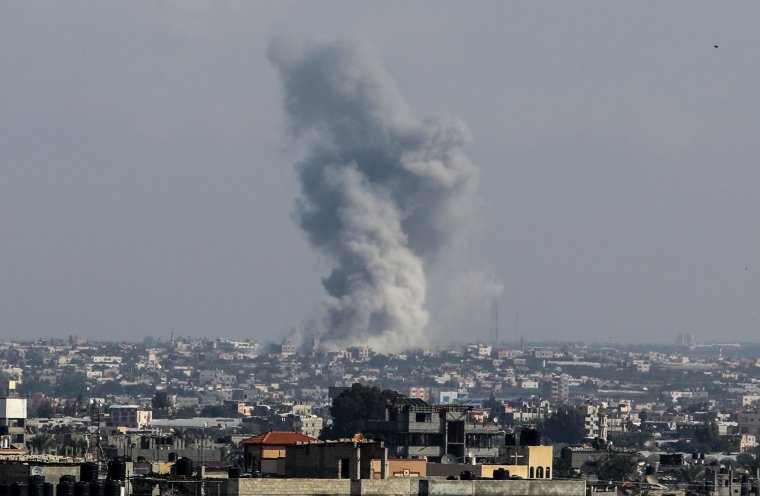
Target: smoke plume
<point>383,191</point>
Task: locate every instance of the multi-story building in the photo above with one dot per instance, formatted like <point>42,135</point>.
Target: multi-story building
<point>595,421</point>
<point>415,429</point>
<point>129,416</point>
<point>12,418</point>
<point>748,419</point>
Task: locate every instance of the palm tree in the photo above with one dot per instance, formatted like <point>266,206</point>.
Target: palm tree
<point>41,443</point>
<point>750,463</point>
<point>80,447</point>
<point>690,475</point>
<point>232,454</point>
<point>181,436</point>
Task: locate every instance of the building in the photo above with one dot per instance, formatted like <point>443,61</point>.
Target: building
<point>595,421</point>
<point>415,429</point>
<point>266,454</point>
<point>560,390</point>
<point>12,419</point>
<point>748,419</point>
<point>418,392</point>
<point>129,416</point>
<point>350,459</point>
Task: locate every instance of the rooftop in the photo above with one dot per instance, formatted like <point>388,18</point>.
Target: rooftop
<point>279,438</point>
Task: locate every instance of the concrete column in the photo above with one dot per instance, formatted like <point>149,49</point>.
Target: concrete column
<point>358,459</point>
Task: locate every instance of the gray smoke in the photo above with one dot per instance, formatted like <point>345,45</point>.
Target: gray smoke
<point>383,191</point>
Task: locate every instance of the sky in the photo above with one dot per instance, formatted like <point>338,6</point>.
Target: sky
<point>147,180</point>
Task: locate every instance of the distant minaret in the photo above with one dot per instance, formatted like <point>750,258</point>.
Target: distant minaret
<point>494,330</point>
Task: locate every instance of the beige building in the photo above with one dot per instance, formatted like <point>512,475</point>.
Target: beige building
<point>529,462</point>
<point>265,453</point>
<point>129,416</point>
<point>748,419</point>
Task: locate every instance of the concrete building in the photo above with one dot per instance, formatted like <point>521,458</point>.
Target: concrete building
<point>12,419</point>
<point>560,390</point>
<point>415,429</point>
<point>129,416</point>
<point>595,421</point>
<point>265,453</point>
<point>748,419</point>
<point>354,459</point>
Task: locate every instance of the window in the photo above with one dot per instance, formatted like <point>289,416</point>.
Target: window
<point>548,473</point>
<point>531,474</point>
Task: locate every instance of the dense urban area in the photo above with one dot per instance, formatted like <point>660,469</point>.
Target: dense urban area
<point>682,417</point>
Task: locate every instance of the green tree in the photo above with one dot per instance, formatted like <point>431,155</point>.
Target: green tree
<point>616,467</point>
<point>750,463</point>
<point>493,406</point>
<point>690,474</point>
<point>567,425</point>
<point>71,384</point>
<point>232,454</point>
<point>41,443</point>
<point>160,401</point>
<point>354,407</point>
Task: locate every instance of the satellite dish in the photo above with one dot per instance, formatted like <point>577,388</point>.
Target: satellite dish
<point>651,479</point>
<point>448,459</point>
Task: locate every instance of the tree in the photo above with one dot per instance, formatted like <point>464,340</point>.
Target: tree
<point>493,406</point>
<point>750,463</point>
<point>616,467</point>
<point>182,436</point>
<point>160,401</point>
<point>354,407</point>
<point>41,443</point>
<point>71,384</point>
<point>567,425</point>
<point>232,454</point>
<point>690,474</point>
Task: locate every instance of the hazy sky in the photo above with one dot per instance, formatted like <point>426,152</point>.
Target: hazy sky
<point>147,182</point>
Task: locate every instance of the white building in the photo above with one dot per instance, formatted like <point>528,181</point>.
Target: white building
<point>12,418</point>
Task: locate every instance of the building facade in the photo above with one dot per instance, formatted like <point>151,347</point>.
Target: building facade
<point>415,429</point>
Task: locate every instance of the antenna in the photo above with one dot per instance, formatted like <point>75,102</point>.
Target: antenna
<point>494,330</point>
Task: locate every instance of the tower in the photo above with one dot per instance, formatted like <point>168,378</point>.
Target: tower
<point>494,329</point>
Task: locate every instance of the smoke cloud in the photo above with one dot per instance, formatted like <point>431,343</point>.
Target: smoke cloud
<point>383,191</point>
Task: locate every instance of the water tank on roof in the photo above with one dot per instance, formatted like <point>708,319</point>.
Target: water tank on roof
<point>88,472</point>
<point>98,488</point>
<point>19,489</point>
<point>36,485</point>
<point>64,488</point>
<point>184,467</point>
<point>117,469</point>
<point>82,488</point>
<point>530,437</point>
<point>113,488</point>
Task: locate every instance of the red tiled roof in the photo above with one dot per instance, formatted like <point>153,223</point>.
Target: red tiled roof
<point>280,438</point>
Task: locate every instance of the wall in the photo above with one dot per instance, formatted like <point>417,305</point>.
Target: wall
<point>13,408</point>
<point>405,467</point>
<point>402,487</point>
<point>20,472</point>
<point>456,469</point>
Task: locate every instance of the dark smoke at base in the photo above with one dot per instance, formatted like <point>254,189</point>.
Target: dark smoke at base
<point>383,191</point>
